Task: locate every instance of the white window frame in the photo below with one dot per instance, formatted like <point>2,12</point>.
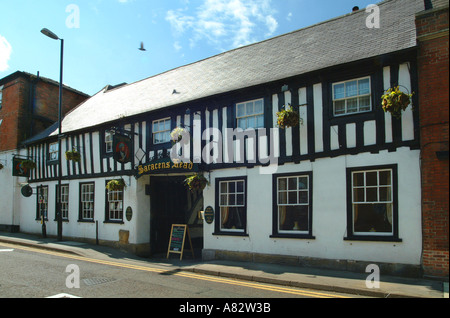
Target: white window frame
<point>377,187</point>
<point>287,191</point>
<point>227,204</point>
<point>64,201</point>
<point>245,116</point>
<point>53,151</point>
<point>115,205</point>
<point>108,142</point>
<point>346,98</point>
<point>161,136</point>
<point>87,201</point>
<point>1,96</point>
<point>42,196</point>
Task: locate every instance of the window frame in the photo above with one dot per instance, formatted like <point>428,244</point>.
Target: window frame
<point>246,116</point>
<point>81,217</point>
<point>53,149</point>
<point>108,138</point>
<point>168,131</point>
<point>357,96</point>
<point>108,218</point>
<point>38,203</point>
<point>64,204</point>
<point>373,236</point>
<point>276,232</point>
<point>1,95</point>
<point>218,216</point>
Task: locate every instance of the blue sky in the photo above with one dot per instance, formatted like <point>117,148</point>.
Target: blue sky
<point>102,37</point>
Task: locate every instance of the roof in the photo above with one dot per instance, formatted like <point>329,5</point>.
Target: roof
<point>334,42</point>
<point>33,77</point>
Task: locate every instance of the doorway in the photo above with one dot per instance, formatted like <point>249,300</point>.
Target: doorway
<point>171,202</point>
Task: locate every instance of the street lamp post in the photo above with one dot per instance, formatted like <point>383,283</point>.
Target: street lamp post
<point>53,36</point>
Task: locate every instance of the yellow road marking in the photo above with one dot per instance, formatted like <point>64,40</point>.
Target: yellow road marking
<point>215,279</point>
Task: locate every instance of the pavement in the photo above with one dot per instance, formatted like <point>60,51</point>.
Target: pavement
<point>285,275</point>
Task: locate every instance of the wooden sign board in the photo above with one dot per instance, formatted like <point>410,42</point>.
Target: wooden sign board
<point>177,240</point>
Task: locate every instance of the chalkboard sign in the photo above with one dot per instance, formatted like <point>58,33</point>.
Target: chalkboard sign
<point>177,239</point>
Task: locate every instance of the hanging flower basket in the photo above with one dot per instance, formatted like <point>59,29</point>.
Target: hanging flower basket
<point>177,134</point>
<point>116,185</point>
<point>395,101</point>
<point>28,164</point>
<point>73,155</point>
<point>196,182</point>
<point>287,117</point>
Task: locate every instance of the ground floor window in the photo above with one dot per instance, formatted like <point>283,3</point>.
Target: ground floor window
<point>372,203</point>
<point>64,201</point>
<point>114,205</point>
<point>292,198</point>
<point>231,207</point>
<point>42,203</point>
<point>87,194</point>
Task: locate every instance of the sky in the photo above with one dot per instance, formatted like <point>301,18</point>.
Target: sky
<point>102,37</point>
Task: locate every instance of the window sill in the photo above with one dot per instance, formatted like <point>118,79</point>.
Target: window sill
<point>113,222</point>
<point>369,238</point>
<point>294,236</point>
<point>231,234</point>
<point>86,221</point>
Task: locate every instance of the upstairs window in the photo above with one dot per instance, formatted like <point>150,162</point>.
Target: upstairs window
<point>53,151</point>
<point>250,114</point>
<point>352,97</point>
<point>108,142</point>
<point>161,131</point>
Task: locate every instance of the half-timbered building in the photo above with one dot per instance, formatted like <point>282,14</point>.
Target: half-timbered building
<point>340,188</point>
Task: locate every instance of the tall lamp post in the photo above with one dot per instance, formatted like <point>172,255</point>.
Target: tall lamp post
<point>53,36</point>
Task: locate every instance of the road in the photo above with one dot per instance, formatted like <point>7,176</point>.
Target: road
<point>36,273</point>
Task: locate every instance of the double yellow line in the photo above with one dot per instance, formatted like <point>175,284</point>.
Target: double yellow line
<point>261,286</point>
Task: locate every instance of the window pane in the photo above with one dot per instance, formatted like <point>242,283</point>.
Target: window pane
<point>258,107</point>
<point>223,187</point>
<point>372,178</point>
<point>240,110</point>
<point>240,199</point>
<point>385,177</point>
<point>303,197</point>
<point>250,122</point>
<point>240,186</point>
<point>372,217</point>
<point>292,197</point>
<point>233,218</point>
<point>351,89</point>
<point>358,179</point>
<point>249,107</point>
<point>292,184</point>
<point>282,198</point>
<point>339,107</point>
<point>364,103</point>
<point>339,91</point>
<point>223,200</point>
<point>260,121</point>
<point>385,194</point>
<point>282,185</point>
<point>303,183</point>
<point>352,105</point>
<point>364,86</point>
<point>372,195</point>
<point>293,218</point>
<point>358,195</point>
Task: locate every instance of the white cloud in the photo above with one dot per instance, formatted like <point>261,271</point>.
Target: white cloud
<point>225,23</point>
<point>5,53</point>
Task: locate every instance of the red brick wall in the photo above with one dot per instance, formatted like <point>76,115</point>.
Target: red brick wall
<point>433,68</point>
<point>16,109</point>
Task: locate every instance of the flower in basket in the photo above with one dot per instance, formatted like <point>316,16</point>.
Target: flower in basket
<point>177,134</point>
<point>395,101</point>
<point>196,182</point>
<point>115,185</point>
<point>73,155</point>
<point>287,117</point>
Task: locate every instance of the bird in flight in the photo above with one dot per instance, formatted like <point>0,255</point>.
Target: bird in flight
<point>142,47</point>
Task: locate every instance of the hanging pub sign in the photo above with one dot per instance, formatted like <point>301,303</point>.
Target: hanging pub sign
<point>165,165</point>
<point>122,148</point>
<point>20,168</point>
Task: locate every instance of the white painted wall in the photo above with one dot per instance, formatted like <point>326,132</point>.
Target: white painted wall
<point>329,212</point>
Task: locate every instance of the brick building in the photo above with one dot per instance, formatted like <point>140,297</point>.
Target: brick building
<point>29,105</point>
<point>433,71</point>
